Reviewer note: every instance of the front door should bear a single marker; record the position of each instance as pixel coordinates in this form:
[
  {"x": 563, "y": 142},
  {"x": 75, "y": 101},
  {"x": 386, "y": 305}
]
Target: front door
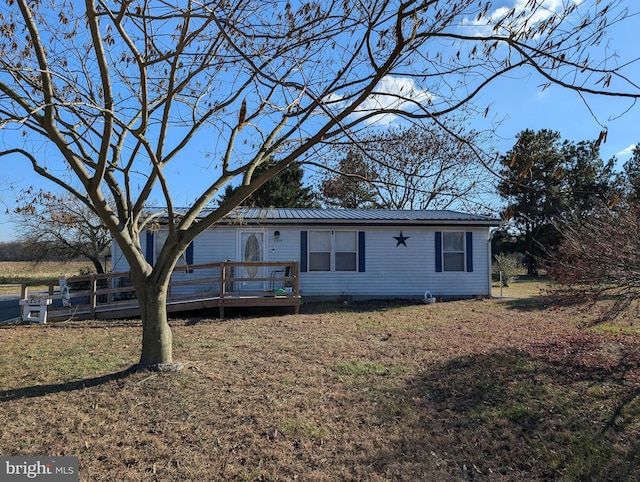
[{"x": 252, "y": 249}]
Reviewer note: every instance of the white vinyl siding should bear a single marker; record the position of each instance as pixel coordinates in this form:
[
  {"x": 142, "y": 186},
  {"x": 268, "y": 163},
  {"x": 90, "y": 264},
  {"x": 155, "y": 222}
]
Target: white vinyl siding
[
  {"x": 403, "y": 272},
  {"x": 391, "y": 271}
]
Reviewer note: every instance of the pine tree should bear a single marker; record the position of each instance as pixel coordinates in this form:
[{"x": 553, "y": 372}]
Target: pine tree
[
  {"x": 545, "y": 179},
  {"x": 350, "y": 185},
  {"x": 631, "y": 171},
  {"x": 285, "y": 190}
]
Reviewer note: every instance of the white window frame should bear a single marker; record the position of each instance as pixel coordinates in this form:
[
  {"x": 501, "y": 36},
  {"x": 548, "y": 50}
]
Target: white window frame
[
  {"x": 332, "y": 251},
  {"x": 462, "y": 252}
]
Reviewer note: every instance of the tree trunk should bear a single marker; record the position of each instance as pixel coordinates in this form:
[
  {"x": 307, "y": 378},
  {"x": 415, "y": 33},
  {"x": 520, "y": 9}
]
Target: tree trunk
[
  {"x": 157, "y": 349},
  {"x": 97, "y": 265},
  {"x": 532, "y": 265}
]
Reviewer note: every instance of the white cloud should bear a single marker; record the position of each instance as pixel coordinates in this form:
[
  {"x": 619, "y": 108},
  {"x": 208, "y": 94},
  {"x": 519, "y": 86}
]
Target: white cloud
[
  {"x": 544, "y": 10},
  {"x": 627, "y": 151},
  {"x": 393, "y": 93}
]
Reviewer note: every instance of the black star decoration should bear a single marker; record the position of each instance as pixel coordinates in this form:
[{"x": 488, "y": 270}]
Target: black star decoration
[{"x": 401, "y": 240}]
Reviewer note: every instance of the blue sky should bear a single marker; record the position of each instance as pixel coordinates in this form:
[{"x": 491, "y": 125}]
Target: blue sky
[
  {"x": 518, "y": 101},
  {"x": 522, "y": 105}
]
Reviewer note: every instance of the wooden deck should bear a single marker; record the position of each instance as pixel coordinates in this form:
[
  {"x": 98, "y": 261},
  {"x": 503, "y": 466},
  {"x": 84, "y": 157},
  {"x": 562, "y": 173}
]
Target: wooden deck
[{"x": 195, "y": 287}]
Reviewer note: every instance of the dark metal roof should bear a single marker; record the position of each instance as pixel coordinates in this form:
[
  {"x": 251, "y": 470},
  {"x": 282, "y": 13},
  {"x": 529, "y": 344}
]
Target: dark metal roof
[{"x": 355, "y": 217}]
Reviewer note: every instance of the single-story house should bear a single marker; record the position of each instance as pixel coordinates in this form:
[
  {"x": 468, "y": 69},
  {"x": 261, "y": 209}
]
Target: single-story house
[{"x": 355, "y": 254}]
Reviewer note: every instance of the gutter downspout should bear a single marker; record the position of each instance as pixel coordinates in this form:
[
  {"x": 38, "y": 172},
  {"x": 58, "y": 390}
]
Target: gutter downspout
[{"x": 489, "y": 259}]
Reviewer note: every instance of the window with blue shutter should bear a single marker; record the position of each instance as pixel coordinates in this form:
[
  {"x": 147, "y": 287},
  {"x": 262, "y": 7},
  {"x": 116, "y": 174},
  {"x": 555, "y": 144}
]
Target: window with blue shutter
[
  {"x": 438, "y": 254},
  {"x": 469, "y": 250},
  {"x": 454, "y": 251},
  {"x": 189, "y": 254},
  {"x": 331, "y": 250}
]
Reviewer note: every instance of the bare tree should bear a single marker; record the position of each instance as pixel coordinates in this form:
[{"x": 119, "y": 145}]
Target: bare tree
[
  {"x": 427, "y": 168},
  {"x": 60, "y": 227},
  {"x": 599, "y": 258},
  {"x": 107, "y": 98}
]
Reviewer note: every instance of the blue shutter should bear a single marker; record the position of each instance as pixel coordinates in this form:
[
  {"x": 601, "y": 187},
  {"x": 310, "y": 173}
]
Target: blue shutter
[
  {"x": 361, "y": 251},
  {"x": 469, "y": 248},
  {"x": 148, "y": 255},
  {"x": 438, "y": 252},
  {"x": 188, "y": 255},
  {"x": 303, "y": 251}
]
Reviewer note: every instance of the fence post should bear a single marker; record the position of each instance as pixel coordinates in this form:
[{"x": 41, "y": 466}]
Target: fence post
[
  {"x": 93, "y": 297},
  {"x": 223, "y": 276},
  {"x": 296, "y": 284}
]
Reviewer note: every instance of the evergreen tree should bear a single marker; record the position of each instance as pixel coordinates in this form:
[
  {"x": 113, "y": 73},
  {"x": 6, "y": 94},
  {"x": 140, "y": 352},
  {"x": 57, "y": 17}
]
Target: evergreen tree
[
  {"x": 532, "y": 186},
  {"x": 544, "y": 179},
  {"x": 588, "y": 179},
  {"x": 631, "y": 172},
  {"x": 351, "y": 186},
  {"x": 285, "y": 190}
]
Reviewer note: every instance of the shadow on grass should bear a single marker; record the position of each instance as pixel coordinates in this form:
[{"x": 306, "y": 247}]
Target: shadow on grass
[
  {"x": 325, "y": 307},
  {"x": 80, "y": 324},
  {"x": 553, "y": 298},
  {"x": 308, "y": 308},
  {"x": 42, "y": 390},
  {"x": 541, "y": 302},
  {"x": 511, "y": 415},
  {"x": 531, "y": 303}
]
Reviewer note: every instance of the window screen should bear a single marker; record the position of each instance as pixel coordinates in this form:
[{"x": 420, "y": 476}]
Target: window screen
[
  {"x": 453, "y": 251},
  {"x": 333, "y": 251},
  {"x": 319, "y": 250}
]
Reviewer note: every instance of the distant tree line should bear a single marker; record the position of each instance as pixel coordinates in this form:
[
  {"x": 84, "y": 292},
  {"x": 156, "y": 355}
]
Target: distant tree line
[
  {"x": 25, "y": 251},
  {"x": 60, "y": 227}
]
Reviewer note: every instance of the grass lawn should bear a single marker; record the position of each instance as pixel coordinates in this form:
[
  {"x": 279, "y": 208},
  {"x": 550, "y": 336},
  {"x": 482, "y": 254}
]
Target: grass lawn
[{"x": 502, "y": 389}]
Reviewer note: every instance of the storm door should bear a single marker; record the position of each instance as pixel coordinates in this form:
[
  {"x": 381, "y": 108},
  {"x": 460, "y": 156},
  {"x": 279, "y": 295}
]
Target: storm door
[{"x": 252, "y": 249}]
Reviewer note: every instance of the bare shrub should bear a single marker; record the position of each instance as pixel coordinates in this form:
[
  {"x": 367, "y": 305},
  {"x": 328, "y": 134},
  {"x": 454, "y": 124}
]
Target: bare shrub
[
  {"x": 509, "y": 265},
  {"x": 599, "y": 258}
]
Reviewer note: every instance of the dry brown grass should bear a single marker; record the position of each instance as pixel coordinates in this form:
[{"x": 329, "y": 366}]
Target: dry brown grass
[
  {"x": 525, "y": 286},
  {"x": 12, "y": 273},
  {"x": 469, "y": 390}
]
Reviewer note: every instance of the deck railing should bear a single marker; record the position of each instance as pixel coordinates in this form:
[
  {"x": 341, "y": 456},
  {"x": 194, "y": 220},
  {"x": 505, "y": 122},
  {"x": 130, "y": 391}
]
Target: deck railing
[{"x": 227, "y": 280}]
